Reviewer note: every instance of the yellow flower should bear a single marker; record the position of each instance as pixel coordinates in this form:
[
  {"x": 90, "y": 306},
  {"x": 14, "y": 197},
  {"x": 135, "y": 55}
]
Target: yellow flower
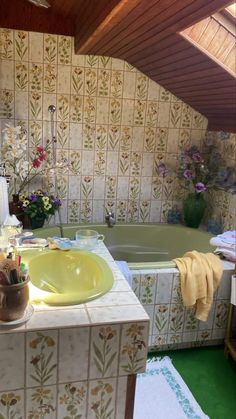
[
  {"x": 26, "y": 202},
  {"x": 45, "y": 199},
  {"x": 41, "y": 394},
  {"x": 47, "y": 206}
]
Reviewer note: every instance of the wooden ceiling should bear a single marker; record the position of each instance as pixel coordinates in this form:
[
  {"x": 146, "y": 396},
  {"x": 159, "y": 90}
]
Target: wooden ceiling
[{"x": 146, "y": 33}]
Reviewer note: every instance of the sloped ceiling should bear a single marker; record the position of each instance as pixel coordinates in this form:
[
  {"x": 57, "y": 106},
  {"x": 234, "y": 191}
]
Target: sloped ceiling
[{"x": 146, "y": 33}]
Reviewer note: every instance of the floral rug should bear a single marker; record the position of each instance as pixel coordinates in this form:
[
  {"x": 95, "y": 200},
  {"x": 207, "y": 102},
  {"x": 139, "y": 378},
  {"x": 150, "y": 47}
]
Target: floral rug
[{"x": 161, "y": 393}]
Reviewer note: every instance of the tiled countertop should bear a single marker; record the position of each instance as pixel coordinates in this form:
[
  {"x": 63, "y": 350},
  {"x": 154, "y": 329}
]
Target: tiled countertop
[{"x": 119, "y": 305}]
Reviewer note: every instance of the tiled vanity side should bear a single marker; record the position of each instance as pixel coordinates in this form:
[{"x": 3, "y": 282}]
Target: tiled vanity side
[
  {"x": 171, "y": 325},
  {"x": 66, "y": 372}
]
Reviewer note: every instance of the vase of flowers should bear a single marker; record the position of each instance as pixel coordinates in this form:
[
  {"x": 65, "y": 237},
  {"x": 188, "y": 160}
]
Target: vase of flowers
[
  {"x": 196, "y": 174},
  {"x": 38, "y": 206},
  {"x": 194, "y": 206}
]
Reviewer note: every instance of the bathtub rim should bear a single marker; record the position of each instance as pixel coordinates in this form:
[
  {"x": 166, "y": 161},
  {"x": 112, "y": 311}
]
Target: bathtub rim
[{"x": 141, "y": 265}]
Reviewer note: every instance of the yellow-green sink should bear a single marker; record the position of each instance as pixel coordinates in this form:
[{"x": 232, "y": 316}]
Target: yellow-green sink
[{"x": 66, "y": 277}]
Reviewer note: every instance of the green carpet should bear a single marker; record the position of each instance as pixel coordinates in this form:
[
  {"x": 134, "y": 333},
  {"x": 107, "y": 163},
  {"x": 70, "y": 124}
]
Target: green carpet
[{"x": 210, "y": 377}]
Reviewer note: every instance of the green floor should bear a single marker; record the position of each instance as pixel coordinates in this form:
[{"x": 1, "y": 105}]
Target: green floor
[{"x": 210, "y": 377}]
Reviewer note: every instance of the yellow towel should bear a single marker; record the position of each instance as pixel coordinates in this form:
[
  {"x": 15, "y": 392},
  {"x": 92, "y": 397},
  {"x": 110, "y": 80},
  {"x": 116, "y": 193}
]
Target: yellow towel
[{"x": 200, "y": 275}]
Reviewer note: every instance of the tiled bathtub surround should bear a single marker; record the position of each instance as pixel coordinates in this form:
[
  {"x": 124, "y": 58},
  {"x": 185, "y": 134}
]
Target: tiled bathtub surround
[
  {"x": 222, "y": 204},
  {"x": 171, "y": 325},
  {"x": 70, "y": 362},
  {"x": 112, "y": 122}
]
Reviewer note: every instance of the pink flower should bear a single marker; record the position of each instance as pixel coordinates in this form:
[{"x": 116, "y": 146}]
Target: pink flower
[
  {"x": 40, "y": 149},
  {"x": 188, "y": 174},
  {"x": 36, "y": 163},
  {"x": 197, "y": 157}
]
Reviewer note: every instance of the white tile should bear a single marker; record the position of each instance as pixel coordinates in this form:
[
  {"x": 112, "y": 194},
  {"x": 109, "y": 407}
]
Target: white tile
[
  {"x": 73, "y": 354},
  {"x": 63, "y": 79},
  {"x": 76, "y": 136},
  {"x": 108, "y": 315},
  {"x": 36, "y": 47},
  {"x": 164, "y": 287},
  {"x": 129, "y": 85},
  {"x": 114, "y": 299},
  {"x": 57, "y": 318},
  {"x": 12, "y": 346},
  {"x": 121, "y": 397},
  {"x": 7, "y": 74}
]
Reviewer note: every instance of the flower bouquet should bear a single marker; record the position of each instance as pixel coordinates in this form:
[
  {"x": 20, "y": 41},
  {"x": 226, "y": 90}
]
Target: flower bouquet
[
  {"x": 196, "y": 173},
  {"x": 39, "y": 206}
]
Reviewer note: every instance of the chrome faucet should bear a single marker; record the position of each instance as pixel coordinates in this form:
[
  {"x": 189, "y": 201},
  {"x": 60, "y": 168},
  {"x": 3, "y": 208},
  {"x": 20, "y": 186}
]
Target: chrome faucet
[{"x": 110, "y": 219}]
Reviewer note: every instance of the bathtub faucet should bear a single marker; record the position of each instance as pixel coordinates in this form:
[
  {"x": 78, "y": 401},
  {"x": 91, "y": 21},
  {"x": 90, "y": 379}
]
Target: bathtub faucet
[{"x": 110, "y": 219}]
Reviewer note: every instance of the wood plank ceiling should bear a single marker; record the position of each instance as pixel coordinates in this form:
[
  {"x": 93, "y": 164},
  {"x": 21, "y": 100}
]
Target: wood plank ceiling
[{"x": 146, "y": 33}]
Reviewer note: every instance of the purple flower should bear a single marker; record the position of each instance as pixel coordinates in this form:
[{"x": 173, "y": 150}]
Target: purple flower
[
  {"x": 56, "y": 201},
  {"x": 200, "y": 187},
  {"x": 188, "y": 174},
  {"x": 162, "y": 170},
  {"x": 33, "y": 197},
  {"x": 197, "y": 157}
]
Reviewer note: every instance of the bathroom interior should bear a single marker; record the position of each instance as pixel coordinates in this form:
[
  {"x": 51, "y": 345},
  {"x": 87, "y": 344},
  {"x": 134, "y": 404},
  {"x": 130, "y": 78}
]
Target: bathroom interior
[{"x": 104, "y": 101}]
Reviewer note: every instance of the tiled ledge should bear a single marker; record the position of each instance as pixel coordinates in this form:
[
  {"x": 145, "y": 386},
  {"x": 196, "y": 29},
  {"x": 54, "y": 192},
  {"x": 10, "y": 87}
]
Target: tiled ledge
[{"x": 119, "y": 305}]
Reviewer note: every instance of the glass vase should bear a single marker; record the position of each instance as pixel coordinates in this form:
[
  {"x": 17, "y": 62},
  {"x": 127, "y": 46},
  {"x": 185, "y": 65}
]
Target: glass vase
[{"x": 194, "y": 208}]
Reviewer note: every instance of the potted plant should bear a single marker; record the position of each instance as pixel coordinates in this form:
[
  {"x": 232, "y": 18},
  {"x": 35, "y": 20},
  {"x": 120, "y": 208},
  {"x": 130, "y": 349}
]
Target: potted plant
[{"x": 38, "y": 206}]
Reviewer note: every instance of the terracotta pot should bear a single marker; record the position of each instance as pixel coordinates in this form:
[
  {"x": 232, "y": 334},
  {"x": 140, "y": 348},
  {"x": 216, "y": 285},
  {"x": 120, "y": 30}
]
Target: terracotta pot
[{"x": 13, "y": 300}]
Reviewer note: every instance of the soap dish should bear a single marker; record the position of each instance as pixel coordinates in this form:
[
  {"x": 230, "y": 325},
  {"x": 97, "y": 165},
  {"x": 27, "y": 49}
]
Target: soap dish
[{"x": 27, "y": 314}]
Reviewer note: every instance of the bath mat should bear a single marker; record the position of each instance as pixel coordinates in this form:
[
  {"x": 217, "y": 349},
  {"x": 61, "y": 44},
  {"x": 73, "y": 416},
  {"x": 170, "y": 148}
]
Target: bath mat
[{"x": 161, "y": 393}]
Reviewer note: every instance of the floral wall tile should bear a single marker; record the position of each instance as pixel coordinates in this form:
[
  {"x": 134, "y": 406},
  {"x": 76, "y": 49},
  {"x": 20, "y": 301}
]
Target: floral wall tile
[
  {"x": 64, "y": 50},
  {"x": 147, "y": 288},
  {"x": 161, "y": 318},
  {"x": 104, "y": 351},
  {"x": 103, "y": 104},
  {"x": 101, "y": 402},
  {"x": 21, "y": 45},
  {"x": 41, "y": 402},
  {"x": 41, "y": 358},
  {"x": 6, "y": 44},
  {"x": 12, "y": 361},
  {"x": 133, "y": 348},
  {"x": 12, "y": 404},
  {"x": 6, "y": 104},
  {"x": 72, "y": 398}
]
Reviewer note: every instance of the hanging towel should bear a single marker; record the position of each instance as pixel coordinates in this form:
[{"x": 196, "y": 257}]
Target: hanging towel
[
  {"x": 124, "y": 268},
  {"x": 4, "y": 205},
  {"x": 200, "y": 275}
]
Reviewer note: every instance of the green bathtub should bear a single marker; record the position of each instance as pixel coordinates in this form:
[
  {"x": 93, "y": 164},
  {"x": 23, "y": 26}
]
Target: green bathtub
[{"x": 142, "y": 245}]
